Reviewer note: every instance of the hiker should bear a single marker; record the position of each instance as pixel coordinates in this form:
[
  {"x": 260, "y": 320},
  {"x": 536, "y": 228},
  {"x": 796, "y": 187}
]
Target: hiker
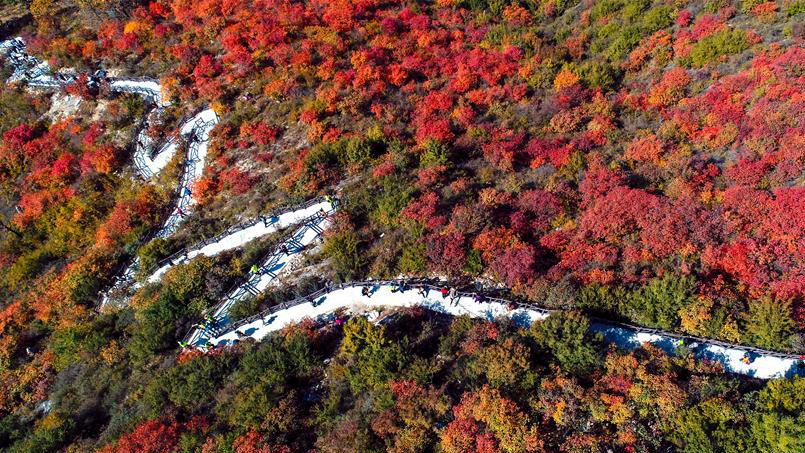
[
  {"x": 187, "y": 192},
  {"x": 284, "y": 249},
  {"x": 255, "y": 269},
  {"x": 209, "y": 318},
  {"x": 328, "y": 199},
  {"x": 322, "y": 214},
  {"x": 183, "y": 344},
  {"x": 423, "y": 291},
  {"x": 745, "y": 358},
  {"x": 453, "y": 295},
  {"x": 479, "y": 298},
  {"x": 179, "y": 211},
  {"x": 445, "y": 292},
  {"x": 365, "y": 292},
  {"x": 208, "y": 345},
  {"x": 240, "y": 334}
]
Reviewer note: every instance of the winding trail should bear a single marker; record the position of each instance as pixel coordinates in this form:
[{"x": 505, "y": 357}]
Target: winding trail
[
  {"x": 311, "y": 219},
  {"x": 323, "y": 306}
]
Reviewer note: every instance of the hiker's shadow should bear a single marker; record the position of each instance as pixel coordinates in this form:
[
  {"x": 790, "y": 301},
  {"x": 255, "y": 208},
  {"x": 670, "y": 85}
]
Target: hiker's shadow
[
  {"x": 319, "y": 301},
  {"x": 520, "y": 318},
  {"x": 276, "y": 267}
]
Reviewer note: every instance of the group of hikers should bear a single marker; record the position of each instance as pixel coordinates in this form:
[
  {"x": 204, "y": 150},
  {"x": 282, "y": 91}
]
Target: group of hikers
[{"x": 446, "y": 291}]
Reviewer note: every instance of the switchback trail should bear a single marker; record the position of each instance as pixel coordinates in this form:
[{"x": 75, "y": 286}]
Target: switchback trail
[{"x": 311, "y": 219}]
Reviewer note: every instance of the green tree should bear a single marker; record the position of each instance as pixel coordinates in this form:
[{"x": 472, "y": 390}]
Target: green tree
[
  {"x": 434, "y": 153},
  {"x": 567, "y": 337},
  {"x": 189, "y": 385},
  {"x": 776, "y": 433},
  {"x": 266, "y": 381},
  {"x": 371, "y": 359},
  {"x": 779, "y": 424},
  {"x": 507, "y": 365},
  {"x": 769, "y": 323},
  {"x": 657, "y": 304},
  {"x": 155, "y": 330},
  {"x": 708, "y": 427}
]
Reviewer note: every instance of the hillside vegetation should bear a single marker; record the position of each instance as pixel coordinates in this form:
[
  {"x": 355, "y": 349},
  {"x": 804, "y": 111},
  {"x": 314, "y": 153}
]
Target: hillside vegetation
[{"x": 636, "y": 160}]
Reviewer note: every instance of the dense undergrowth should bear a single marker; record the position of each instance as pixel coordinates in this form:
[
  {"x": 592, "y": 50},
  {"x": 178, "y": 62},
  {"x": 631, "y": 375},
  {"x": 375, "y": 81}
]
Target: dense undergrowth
[
  {"x": 634, "y": 159},
  {"x": 416, "y": 382}
]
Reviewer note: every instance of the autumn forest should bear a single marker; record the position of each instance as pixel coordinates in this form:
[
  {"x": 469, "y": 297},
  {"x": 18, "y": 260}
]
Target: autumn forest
[{"x": 639, "y": 161}]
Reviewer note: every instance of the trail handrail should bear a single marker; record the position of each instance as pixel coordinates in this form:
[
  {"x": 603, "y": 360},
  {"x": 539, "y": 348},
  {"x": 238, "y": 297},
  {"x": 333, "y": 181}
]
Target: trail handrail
[
  {"x": 267, "y": 219},
  {"x": 419, "y": 283}
]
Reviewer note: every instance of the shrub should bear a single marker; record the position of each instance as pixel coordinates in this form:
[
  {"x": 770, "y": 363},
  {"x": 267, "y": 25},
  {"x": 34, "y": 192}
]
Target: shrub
[
  {"x": 390, "y": 201},
  {"x": 720, "y": 44},
  {"x": 713, "y": 6},
  {"x": 72, "y": 343},
  {"x": 343, "y": 152},
  {"x": 626, "y": 40},
  {"x": 474, "y": 265},
  {"x": 599, "y": 298},
  {"x": 344, "y": 250},
  {"x": 358, "y": 151},
  {"x": 188, "y": 385},
  {"x": 604, "y": 8},
  {"x": 434, "y": 153},
  {"x": 656, "y": 19},
  {"x": 50, "y": 435},
  {"x": 748, "y": 5},
  {"x": 11, "y": 429},
  {"x": 598, "y": 75},
  {"x": 506, "y": 365},
  {"x": 28, "y": 266},
  {"x": 264, "y": 397},
  {"x": 777, "y": 433},
  {"x": 413, "y": 260},
  {"x": 632, "y": 9},
  {"x": 795, "y": 8},
  {"x": 371, "y": 358}
]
